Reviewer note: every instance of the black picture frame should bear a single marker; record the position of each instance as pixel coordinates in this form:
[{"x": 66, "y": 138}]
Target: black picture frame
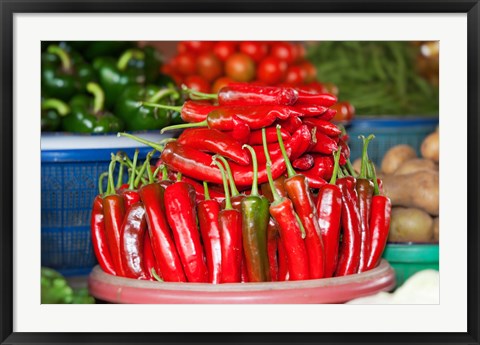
[{"x": 10, "y": 7}]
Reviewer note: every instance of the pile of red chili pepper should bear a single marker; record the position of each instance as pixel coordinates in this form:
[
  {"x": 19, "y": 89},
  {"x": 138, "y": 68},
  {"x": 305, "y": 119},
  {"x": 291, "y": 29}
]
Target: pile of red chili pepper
[{"x": 258, "y": 187}]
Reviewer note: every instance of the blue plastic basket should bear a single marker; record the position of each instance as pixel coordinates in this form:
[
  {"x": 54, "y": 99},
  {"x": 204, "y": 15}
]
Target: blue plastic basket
[
  {"x": 69, "y": 184},
  {"x": 388, "y": 131}
]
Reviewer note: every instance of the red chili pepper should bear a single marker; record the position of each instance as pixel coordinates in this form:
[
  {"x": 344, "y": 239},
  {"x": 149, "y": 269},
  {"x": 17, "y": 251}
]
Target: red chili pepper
[
  {"x": 244, "y": 93},
  {"x": 310, "y": 110},
  {"x": 379, "y": 224},
  {"x": 149, "y": 258},
  {"x": 345, "y": 152},
  {"x": 271, "y": 132},
  {"x": 365, "y": 189},
  {"x": 180, "y": 210},
  {"x": 299, "y": 193},
  {"x": 166, "y": 255},
  {"x": 329, "y": 208},
  {"x": 325, "y": 127},
  {"x": 323, "y": 144},
  {"x": 323, "y": 99},
  {"x": 208, "y": 211},
  {"x": 99, "y": 237},
  {"x": 282, "y": 211},
  {"x": 128, "y": 191},
  {"x": 114, "y": 211},
  {"x": 349, "y": 254},
  {"x": 214, "y": 141},
  {"x": 322, "y": 167},
  {"x": 304, "y": 162},
  {"x": 190, "y": 111},
  {"x": 283, "y": 274},
  {"x": 272, "y": 238},
  {"x": 230, "y": 224},
  {"x": 132, "y": 241},
  {"x": 291, "y": 124}
]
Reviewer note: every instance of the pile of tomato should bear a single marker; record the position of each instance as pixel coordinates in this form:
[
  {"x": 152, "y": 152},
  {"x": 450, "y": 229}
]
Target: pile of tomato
[{"x": 207, "y": 66}]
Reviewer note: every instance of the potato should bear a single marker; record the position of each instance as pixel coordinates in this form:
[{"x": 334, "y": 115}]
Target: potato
[
  {"x": 410, "y": 225},
  {"x": 418, "y": 189},
  {"x": 436, "y": 226},
  {"x": 396, "y": 156},
  {"x": 416, "y": 164},
  {"x": 430, "y": 147}
]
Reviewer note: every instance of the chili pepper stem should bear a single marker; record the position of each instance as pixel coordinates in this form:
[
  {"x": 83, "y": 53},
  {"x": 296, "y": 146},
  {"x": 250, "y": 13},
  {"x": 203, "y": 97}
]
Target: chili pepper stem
[
  {"x": 291, "y": 172},
  {"x": 336, "y": 166},
  {"x": 350, "y": 168},
  {"x": 161, "y": 106},
  {"x": 254, "y": 191},
  {"x": 120, "y": 174},
  {"x": 228, "y": 203},
  {"x": 98, "y": 96},
  {"x": 155, "y": 275},
  {"x": 276, "y": 196},
  {"x": 233, "y": 187},
  {"x": 198, "y": 94},
  {"x": 142, "y": 169},
  {"x": 376, "y": 190},
  {"x": 164, "y": 172},
  {"x": 127, "y": 56},
  {"x": 184, "y": 125},
  {"x": 100, "y": 182},
  {"x": 300, "y": 224},
  {"x": 364, "y": 162},
  {"x": 131, "y": 184},
  {"x": 179, "y": 176},
  {"x": 152, "y": 144},
  {"x": 111, "y": 168},
  {"x": 65, "y": 59},
  {"x": 205, "y": 190},
  {"x": 52, "y": 103}
]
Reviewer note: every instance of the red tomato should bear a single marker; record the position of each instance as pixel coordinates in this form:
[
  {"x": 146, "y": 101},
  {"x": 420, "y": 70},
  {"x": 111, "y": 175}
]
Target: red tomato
[
  {"x": 284, "y": 51},
  {"x": 198, "y": 46},
  {"x": 257, "y": 50},
  {"x": 182, "y": 47},
  {"x": 309, "y": 70},
  {"x": 197, "y": 83},
  {"x": 295, "y": 75},
  {"x": 331, "y": 88},
  {"x": 272, "y": 70},
  {"x": 345, "y": 111},
  {"x": 240, "y": 67},
  {"x": 301, "y": 52},
  {"x": 185, "y": 63},
  {"x": 221, "y": 82},
  {"x": 223, "y": 50},
  {"x": 209, "y": 66}
]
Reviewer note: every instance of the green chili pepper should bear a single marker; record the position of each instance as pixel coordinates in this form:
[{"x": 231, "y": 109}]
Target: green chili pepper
[
  {"x": 255, "y": 218},
  {"x": 52, "y": 112},
  {"x": 114, "y": 75},
  {"x": 88, "y": 116},
  {"x": 138, "y": 117},
  {"x": 62, "y": 76}
]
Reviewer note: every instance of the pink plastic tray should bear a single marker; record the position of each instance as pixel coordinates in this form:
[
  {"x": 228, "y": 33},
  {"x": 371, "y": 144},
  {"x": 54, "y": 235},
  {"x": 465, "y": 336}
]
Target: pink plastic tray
[{"x": 330, "y": 290}]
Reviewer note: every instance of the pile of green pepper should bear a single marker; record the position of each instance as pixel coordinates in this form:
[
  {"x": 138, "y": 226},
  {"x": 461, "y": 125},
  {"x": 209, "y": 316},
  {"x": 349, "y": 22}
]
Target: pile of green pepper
[{"x": 100, "y": 87}]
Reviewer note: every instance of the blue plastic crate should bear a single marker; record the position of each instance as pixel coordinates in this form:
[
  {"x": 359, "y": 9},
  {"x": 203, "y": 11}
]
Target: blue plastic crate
[
  {"x": 69, "y": 184},
  {"x": 388, "y": 131}
]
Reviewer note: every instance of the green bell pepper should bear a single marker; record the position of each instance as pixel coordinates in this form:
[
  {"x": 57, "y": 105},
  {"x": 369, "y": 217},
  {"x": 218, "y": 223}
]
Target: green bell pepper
[
  {"x": 52, "y": 112},
  {"x": 87, "y": 114},
  {"x": 114, "y": 75},
  {"x": 55, "y": 288},
  {"x": 138, "y": 117},
  {"x": 62, "y": 76},
  {"x": 149, "y": 65}
]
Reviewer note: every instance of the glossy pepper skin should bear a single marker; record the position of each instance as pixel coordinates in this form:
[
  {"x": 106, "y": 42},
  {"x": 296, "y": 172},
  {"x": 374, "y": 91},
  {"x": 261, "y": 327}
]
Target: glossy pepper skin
[
  {"x": 379, "y": 227},
  {"x": 53, "y": 110},
  {"x": 115, "y": 75},
  {"x": 149, "y": 258},
  {"x": 364, "y": 189},
  {"x": 255, "y": 137},
  {"x": 137, "y": 117},
  {"x": 208, "y": 211},
  {"x": 152, "y": 196},
  {"x": 62, "y": 77},
  {"x": 99, "y": 237},
  {"x": 323, "y": 126},
  {"x": 180, "y": 209},
  {"x": 88, "y": 116},
  {"x": 322, "y": 99},
  {"x": 132, "y": 242},
  {"x": 244, "y": 93},
  {"x": 305, "y": 162},
  {"x": 114, "y": 213},
  {"x": 255, "y": 219},
  {"x": 215, "y": 141},
  {"x": 349, "y": 253},
  {"x": 272, "y": 248},
  {"x": 230, "y": 223},
  {"x": 323, "y": 144}
]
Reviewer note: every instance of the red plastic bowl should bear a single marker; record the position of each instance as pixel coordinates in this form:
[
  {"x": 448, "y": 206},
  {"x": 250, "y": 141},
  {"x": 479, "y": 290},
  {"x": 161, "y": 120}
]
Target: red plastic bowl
[{"x": 329, "y": 290}]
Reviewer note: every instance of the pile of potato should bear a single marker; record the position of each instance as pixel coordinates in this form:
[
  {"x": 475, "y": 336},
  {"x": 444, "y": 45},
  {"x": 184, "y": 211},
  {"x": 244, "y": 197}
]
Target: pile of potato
[{"x": 411, "y": 183}]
